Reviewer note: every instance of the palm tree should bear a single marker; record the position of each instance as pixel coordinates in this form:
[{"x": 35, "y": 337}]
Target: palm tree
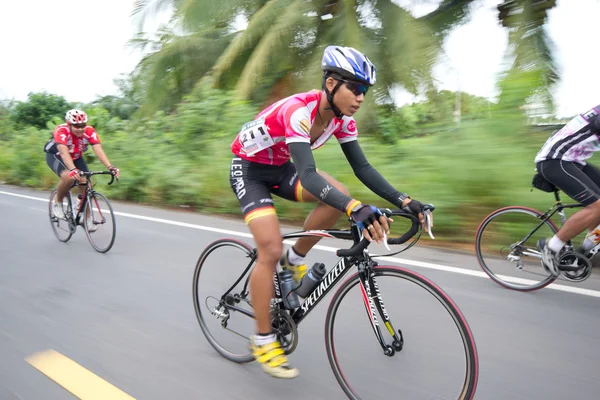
[
  {"x": 281, "y": 47},
  {"x": 533, "y": 70}
]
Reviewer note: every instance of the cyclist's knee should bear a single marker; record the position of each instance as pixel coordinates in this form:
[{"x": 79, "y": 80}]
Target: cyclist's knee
[
  {"x": 595, "y": 207},
  {"x": 339, "y": 186},
  {"x": 270, "y": 252},
  {"x": 64, "y": 176},
  {"x": 342, "y": 188}
]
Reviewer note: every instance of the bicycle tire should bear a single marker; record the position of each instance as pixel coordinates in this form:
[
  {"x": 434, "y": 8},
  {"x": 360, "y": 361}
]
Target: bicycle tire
[
  {"x": 200, "y": 308},
  {"x": 61, "y": 234},
  {"x": 480, "y": 252},
  {"x": 471, "y": 357},
  {"x": 99, "y": 212}
]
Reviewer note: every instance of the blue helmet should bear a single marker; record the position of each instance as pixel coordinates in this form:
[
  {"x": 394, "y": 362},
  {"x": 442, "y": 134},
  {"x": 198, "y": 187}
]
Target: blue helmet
[{"x": 349, "y": 63}]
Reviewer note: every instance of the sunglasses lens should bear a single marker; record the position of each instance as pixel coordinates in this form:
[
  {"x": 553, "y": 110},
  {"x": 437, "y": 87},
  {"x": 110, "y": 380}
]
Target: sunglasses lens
[{"x": 358, "y": 88}]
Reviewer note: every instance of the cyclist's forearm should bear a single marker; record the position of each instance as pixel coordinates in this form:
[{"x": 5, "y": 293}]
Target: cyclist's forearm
[
  {"x": 369, "y": 176},
  {"x": 66, "y": 156},
  {"x": 101, "y": 155},
  {"x": 314, "y": 183}
]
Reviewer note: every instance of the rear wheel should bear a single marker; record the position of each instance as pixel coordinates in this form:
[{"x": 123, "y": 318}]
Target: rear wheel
[{"x": 506, "y": 247}]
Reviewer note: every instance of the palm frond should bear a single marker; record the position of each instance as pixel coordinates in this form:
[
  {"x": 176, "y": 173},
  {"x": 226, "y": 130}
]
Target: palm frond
[
  {"x": 449, "y": 14},
  {"x": 273, "y": 45},
  {"x": 258, "y": 25},
  {"x": 407, "y": 48},
  {"x": 142, "y": 9},
  {"x": 173, "y": 71}
]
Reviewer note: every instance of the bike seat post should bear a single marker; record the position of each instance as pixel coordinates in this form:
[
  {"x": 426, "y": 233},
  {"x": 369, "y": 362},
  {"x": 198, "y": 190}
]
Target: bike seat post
[{"x": 557, "y": 196}]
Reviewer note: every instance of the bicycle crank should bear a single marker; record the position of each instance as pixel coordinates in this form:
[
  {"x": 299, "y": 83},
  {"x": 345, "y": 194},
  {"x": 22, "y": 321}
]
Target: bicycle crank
[
  {"x": 285, "y": 328},
  {"x": 575, "y": 267}
]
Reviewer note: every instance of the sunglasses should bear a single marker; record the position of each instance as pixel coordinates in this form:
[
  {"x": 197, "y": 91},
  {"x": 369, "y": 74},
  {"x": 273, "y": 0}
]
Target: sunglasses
[
  {"x": 355, "y": 87},
  {"x": 79, "y": 126}
]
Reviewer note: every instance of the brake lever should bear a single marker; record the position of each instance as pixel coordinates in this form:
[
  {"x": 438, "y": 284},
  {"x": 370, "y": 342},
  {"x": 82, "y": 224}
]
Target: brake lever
[
  {"x": 386, "y": 213},
  {"x": 427, "y": 215}
]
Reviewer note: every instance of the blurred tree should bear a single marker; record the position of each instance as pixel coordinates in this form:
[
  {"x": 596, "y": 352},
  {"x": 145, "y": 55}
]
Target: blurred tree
[
  {"x": 39, "y": 109},
  {"x": 533, "y": 70},
  {"x": 280, "y": 48},
  {"x": 126, "y": 103}
]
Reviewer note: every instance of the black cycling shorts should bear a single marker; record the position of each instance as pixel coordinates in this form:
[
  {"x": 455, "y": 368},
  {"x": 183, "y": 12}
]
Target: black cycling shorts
[
  {"x": 253, "y": 184},
  {"x": 55, "y": 163},
  {"x": 579, "y": 182}
]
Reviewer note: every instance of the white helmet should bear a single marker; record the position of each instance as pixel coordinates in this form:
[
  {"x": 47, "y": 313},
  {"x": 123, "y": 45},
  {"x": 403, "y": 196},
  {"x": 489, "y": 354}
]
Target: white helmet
[{"x": 75, "y": 116}]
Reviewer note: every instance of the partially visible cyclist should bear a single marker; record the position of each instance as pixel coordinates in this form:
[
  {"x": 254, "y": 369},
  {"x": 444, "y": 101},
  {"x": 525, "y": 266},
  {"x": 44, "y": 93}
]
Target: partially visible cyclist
[
  {"x": 292, "y": 128},
  {"x": 64, "y": 155},
  {"x": 562, "y": 161}
]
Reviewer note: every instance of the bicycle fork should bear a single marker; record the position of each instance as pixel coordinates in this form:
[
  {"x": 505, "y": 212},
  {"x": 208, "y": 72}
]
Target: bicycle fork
[{"x": 373, "y": 305}]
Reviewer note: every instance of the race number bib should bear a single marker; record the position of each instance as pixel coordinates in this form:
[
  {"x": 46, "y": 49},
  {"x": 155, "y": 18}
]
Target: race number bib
[{"x": 255, "y": 137}]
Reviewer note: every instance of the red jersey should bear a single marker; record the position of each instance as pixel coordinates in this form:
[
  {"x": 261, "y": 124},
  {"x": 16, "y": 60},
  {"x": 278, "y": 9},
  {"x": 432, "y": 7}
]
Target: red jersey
[{"x": 77, "y": 145}]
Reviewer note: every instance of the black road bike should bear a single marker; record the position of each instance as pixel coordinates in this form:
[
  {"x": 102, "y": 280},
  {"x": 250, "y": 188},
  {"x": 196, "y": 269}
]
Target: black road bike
[
  {"x": 506, "y": 246},
  {"x": 224, "y": 309},
  {"x": 93, "y": 212}
]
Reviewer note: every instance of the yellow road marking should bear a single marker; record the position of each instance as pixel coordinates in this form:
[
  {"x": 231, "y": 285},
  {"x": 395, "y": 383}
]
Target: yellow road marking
[{"x": 74, "y": 378}]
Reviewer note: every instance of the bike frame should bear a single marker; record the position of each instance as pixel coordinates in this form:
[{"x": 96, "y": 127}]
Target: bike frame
[
  {"x": 89, "y": 192},
  {"x": 559, "y": 208},
  {"x": 368, "y": 285}
]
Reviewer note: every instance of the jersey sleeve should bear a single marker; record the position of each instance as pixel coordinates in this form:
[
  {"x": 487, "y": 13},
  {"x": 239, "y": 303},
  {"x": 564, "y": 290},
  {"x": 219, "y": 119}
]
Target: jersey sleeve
[
  {"x": 91, "y": 135},
  {"x": 347, "y": 132},
  {"x": 61, "y": 135},
  {"x": 297, "y": 117}
]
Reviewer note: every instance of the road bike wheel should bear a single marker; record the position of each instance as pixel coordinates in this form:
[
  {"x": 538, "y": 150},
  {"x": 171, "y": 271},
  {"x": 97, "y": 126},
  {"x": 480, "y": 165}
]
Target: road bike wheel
[
  {"x": 436, "y": 361},
  {"x": 227, "y": 330},
  {"x": 506, "y": 247},
  {"x": 99, "y": 222},
  {"x": 61, "y": 227}
]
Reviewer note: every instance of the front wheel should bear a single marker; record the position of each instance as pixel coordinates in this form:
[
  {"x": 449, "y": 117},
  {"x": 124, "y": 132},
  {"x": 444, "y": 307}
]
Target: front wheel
[
  {"x": 506, "y": 247},
  {"x": 99, "y": 222},
  {"x": 435, "y": 358},
  {"x": 62, "y": 227}
]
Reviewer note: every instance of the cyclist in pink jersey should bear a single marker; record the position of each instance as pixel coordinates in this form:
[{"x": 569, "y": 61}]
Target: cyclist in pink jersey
[{"x": 290, "y": 129}]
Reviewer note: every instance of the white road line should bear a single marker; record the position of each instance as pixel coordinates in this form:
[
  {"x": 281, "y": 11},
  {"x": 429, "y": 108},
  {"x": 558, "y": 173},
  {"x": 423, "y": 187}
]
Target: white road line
[{"x": 401, "y": 261}]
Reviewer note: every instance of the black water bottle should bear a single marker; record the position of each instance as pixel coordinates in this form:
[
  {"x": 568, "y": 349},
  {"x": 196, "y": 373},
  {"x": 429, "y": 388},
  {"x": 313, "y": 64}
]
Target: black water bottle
[
  {"x": 311, "y": 279},
  {"x": 286, "y": 283}
]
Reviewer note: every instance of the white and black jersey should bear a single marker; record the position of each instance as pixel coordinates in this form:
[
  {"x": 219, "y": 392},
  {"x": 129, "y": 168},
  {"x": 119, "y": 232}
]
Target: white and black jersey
[{"x": 576, "y": 141}]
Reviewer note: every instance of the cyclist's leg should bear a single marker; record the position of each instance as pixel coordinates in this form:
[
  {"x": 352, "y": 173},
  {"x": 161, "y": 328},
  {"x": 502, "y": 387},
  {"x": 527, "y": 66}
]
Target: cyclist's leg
[
  {"x": 250, "y": 183},
  {"x": 55, "y": 163},
  {"x": 594, "y": 174},
  {"x": 81, "y": 165},
  {"x": 321, "y": 217},
  {"x": 570, "y": 178}
]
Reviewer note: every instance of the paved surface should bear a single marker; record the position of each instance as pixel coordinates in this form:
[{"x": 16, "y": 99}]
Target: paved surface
[{"x": 127, "y": 317}]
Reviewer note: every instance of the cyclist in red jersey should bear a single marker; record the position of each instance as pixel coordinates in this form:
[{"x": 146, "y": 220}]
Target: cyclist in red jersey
[
  {"x": 290, "y": 129},
  {"x": 64, "y": 154}
]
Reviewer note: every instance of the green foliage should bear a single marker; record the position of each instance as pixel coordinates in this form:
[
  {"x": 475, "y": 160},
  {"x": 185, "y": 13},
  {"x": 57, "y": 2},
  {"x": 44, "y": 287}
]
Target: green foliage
[
  {"x": 183, "y": 158},
  {"x": 39, "y": 109},
  {"x": 432, "y": 116}
]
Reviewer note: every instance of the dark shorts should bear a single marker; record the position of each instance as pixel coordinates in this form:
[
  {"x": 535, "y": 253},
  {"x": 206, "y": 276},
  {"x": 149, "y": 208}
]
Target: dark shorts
[
  {"x": 55, "y": 163},
  {"x": 579, "y": 182},
  {"x": 253, "y": 184}
]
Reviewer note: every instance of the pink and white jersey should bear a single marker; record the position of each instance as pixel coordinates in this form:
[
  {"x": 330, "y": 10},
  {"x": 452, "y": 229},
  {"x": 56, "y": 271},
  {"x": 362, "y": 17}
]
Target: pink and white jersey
[{"x": 265, "y": 139}]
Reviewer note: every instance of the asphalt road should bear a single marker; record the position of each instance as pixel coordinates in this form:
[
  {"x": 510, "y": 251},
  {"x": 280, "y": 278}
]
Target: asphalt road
[{"x": 127, "y": 317}]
